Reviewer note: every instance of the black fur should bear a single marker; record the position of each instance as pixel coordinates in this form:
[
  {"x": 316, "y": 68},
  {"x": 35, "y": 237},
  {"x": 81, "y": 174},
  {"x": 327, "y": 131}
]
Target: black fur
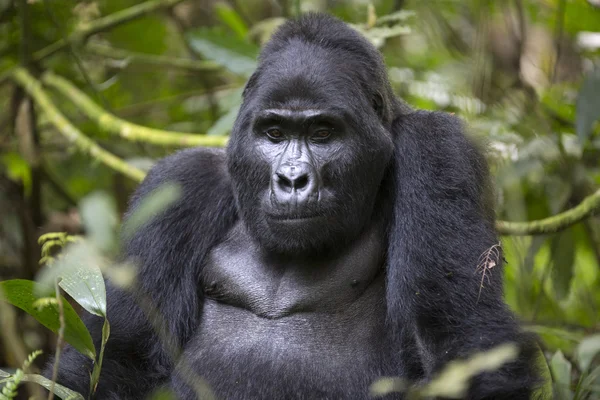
[{"x": 431, "y": 197}]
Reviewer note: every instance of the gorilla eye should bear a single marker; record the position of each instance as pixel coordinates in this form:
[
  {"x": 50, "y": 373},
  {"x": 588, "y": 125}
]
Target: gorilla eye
[
  {"x": 322, "y": 134},
  {"x": 274, "y": 134}
]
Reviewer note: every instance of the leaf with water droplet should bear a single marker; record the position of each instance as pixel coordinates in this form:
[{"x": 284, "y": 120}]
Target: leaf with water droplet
[{"x": 79, "y": 274}]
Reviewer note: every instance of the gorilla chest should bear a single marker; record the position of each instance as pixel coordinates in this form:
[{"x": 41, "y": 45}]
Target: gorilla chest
[
  {"x": 300, "y": 355},
  {"x": 285, "y": 329}
]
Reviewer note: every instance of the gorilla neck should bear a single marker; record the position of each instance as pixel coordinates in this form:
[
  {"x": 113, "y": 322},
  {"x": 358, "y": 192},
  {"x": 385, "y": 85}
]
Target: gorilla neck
[{"x": 240, "y": 274}]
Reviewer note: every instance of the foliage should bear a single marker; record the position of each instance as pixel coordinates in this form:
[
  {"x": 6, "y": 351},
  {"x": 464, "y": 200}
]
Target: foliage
[{"x": 118, "y": 84}]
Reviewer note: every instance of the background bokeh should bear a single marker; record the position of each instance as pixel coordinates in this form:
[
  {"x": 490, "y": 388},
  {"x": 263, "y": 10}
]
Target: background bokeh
[{"x": 524, "y": 74}]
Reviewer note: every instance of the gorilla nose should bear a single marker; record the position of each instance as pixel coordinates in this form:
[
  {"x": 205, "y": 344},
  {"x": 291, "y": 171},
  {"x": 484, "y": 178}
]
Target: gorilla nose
[{"x": 292, "y": 181}]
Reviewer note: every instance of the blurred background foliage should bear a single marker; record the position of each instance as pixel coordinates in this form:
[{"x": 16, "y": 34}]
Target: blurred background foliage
[{"x": 524, "y": 74}]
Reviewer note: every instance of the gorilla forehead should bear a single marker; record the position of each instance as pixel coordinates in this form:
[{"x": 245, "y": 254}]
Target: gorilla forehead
[{"x": 306, "y": 74}]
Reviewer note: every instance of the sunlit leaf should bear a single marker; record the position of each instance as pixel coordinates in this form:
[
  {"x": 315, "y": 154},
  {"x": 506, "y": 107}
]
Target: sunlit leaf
[
  {"x": 24, "y": 293},
  {"x": 232, "y": 19},
  {"x": 588, "y": 105},
  {"x": 79, "y": 273},
  {"x": 587, "y": 350},
  {"x": 385, "y": 386}
]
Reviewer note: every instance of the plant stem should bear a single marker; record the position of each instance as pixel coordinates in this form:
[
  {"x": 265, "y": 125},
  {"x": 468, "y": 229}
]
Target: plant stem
[
  {"x": 127, "y": 130},
  {"x": 34, "y": 88},
  {"x": 84, "y": 31}
]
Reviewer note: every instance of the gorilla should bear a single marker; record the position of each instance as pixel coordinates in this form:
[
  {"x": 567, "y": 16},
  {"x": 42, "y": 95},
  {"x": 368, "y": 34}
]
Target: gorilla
[{"x": 335, "y": 241}]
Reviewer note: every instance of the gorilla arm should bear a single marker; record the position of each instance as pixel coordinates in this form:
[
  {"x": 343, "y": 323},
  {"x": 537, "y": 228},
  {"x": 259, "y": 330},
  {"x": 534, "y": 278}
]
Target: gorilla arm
[
  {"x": 443, "y": 223},
  {"x": 169, "y": 251}
]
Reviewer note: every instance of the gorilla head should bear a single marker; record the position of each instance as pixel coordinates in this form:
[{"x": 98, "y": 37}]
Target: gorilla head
[{"x": 312, "y": 140}]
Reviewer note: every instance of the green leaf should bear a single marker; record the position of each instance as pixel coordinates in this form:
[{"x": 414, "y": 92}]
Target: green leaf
[
  {"x": 236, "y": 55},
  {"x": 561, "y": 371},
  {"x": 78, "y": 270},
  {"x": 544, "y": 391},
  {"x": 562, "y": 248},
  {"x": 151, "y": 205},
  {"x": 59, "y": 390},
  {"x": 18, "y": 170},
  {"x": 232, "y": 19},
  {"x": 100, "y": 220},
  {"x": 224, "y": 124},
  {"x": 262, "y": 31},
  {"x": 588, "y": 105},
  {"x": 587, "y": 350},
  {"x": 22, "y": 294}
]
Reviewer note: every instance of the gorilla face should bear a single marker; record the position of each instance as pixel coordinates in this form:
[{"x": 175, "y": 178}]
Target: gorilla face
[{"x": 308, "y": 151}]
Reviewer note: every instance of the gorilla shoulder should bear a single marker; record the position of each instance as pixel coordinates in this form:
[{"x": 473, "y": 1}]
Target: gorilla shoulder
[{"x": 196, "y": 170}]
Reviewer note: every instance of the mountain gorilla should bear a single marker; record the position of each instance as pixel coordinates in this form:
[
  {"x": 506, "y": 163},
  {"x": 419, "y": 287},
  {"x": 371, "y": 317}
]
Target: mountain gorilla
[{"x": 335, "y": 241}]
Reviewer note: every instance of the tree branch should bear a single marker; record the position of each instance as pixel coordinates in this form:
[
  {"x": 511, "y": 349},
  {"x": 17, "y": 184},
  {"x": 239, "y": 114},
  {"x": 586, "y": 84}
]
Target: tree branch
[
  {"x": 181, "y": 63},
  {"x": 34, "y": 89},
  {"x": 556, "y": 223},
  {"x": 84, "y": 31},
  {"x": 125, "y": 129}
]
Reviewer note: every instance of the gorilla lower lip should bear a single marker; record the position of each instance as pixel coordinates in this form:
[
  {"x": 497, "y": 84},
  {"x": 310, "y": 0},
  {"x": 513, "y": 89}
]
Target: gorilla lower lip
[{"x": 296, "y": 219}]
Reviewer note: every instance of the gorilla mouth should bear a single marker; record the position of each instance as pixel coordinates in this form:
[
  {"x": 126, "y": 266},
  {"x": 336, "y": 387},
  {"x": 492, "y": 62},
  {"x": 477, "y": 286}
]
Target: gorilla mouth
[{"x": 294, "y": 218}]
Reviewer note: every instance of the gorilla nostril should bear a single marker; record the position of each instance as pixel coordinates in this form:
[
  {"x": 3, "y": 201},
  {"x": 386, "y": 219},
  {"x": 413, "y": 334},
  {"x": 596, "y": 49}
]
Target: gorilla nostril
[
  {"x": 300, "y": 182},
  {"x": 288, "y": 184}
]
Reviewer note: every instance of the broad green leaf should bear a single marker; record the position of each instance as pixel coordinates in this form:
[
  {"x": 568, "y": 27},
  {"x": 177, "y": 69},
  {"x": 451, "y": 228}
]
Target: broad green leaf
[
  {"x": 99, "y": 215},
  {"x": 588, "y": 105},
  {"x": 232, "y": 19},
  {"x": 561, "y": 371},
  {"x": 59, "y": 390},
  {"x": 22, "y": 294},
  {"x": 562, "y": 248},
  {"x": 224, "y": 124},
  {"x": 78, "y": 270},
  {"x": 236, "y": 55},
  {"x": 587, "y": 350}
]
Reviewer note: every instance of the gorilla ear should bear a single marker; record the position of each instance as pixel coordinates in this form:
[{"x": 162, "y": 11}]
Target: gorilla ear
[{"x": 377, "y": 103}]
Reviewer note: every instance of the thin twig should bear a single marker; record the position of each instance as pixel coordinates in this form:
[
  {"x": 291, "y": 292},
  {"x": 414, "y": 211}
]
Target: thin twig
[
  {"x": 86, "y": 30},
  {"x": 487, "y": 260},
  {"x": 74, "y": 55},
  {"x": 59, "y": 341},
  {"x": 181, "y": 63},
  {"x": 127, "y": 130},
  {"x": 588, "y": 207}
]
